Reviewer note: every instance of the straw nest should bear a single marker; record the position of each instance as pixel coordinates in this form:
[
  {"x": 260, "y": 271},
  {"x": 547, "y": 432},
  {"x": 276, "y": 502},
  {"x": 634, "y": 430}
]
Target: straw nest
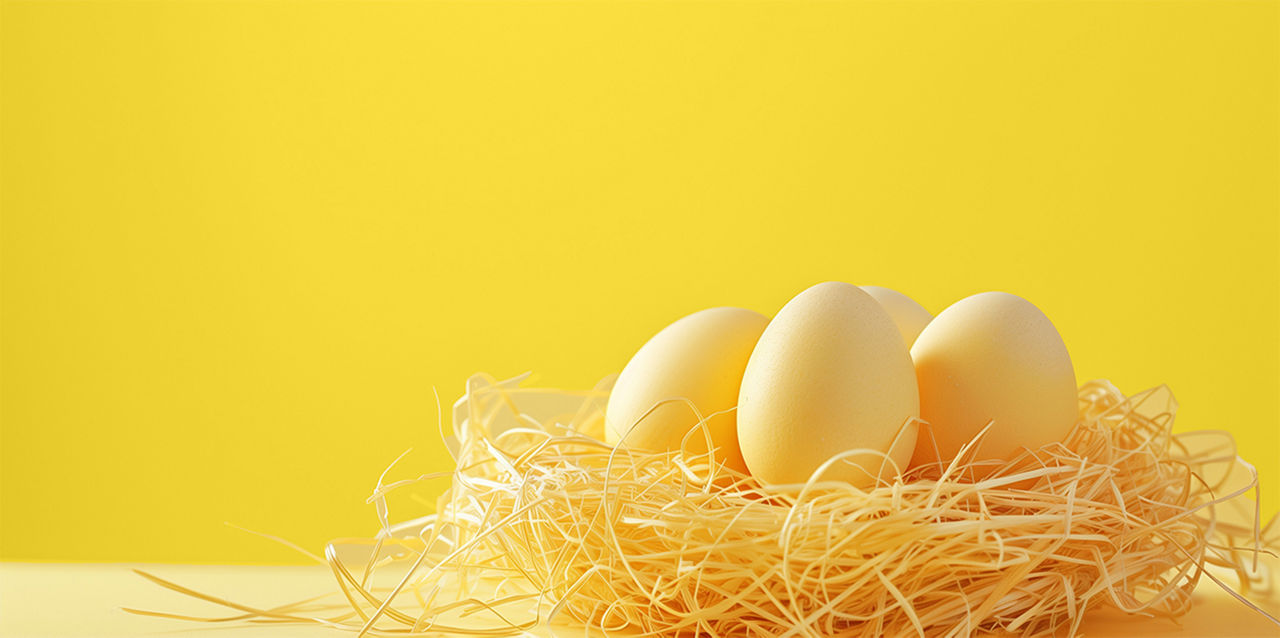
[{"x": 544, "y": 522}]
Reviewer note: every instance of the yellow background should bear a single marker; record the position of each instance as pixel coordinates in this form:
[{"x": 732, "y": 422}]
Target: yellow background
[{"x": 242, "y": 241}]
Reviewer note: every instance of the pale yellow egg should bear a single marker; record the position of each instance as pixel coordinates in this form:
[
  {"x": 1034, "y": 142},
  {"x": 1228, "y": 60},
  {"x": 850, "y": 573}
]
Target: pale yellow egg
[
  {"x": 909, "y": 316},
  {"x": 830, "y": 374},
  {"x": 993, "y": 357},
  {"x": 700, "y": 358}
]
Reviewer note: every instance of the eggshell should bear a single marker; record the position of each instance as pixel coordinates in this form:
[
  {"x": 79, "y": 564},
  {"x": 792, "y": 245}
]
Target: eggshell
[
  {"x": 992, "y": 357},
  {"x": 700, "y": 357},
  {"x": 830, "y": 374},
  {"x": 909, "y": 316}
]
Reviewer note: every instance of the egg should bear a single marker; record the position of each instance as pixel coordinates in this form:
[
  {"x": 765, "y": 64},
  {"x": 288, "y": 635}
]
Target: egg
[
  {"x": 909, "y": 316},
  {"x": 830, "y": 374},
  {"x": 993, "y": 357},
  {"x": 701, "y": 358}
]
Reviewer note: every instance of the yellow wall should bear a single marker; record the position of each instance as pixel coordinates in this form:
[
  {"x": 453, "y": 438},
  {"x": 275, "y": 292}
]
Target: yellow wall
[{"x": 242, "y": 241}]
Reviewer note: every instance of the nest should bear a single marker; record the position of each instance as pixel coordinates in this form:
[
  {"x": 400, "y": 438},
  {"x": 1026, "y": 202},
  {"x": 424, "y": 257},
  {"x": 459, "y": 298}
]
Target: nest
[{"x": 545, "y": 523}]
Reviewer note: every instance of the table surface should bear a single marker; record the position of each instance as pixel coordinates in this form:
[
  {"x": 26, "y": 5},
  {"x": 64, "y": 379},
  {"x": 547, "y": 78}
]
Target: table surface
[{"x": 39, "y": 600}]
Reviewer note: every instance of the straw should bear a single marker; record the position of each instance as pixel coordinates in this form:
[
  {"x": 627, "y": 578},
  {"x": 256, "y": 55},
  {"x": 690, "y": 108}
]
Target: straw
[{"x": 544, "y": 523}]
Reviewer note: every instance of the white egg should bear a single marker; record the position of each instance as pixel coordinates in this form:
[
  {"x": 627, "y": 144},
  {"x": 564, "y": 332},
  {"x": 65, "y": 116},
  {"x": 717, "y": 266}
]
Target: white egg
[
  {"x": 830, "y": 374},
  {"x": 993, "y": 357},
  {"x": 699, "y": 358},
  {"x": 909, "y": 316}
]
